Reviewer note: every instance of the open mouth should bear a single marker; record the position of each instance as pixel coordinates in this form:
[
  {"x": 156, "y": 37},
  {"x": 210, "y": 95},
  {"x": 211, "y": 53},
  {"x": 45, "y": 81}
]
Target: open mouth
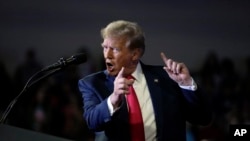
[{"x": 110, "y": 67}]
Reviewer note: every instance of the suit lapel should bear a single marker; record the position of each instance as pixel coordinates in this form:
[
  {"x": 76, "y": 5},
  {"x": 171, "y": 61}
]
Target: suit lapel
[{"x": 153, "y": 82}]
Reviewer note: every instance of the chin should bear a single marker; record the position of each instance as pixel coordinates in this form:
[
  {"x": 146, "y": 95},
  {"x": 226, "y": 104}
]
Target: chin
[{"x": 111, "y": 73}]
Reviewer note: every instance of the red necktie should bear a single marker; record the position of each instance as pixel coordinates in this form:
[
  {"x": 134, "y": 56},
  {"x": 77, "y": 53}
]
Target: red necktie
[{"x": 135, "y": 116}]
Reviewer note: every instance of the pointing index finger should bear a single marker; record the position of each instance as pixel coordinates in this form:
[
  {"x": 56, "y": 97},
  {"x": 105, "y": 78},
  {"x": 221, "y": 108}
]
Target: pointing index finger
[
  {"x": 121, "y": 72},
  {"x": 163, "y": 56}
]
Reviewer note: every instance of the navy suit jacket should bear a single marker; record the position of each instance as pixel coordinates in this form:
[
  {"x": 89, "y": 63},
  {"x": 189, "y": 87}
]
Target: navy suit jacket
[{"x": 172, "y": 106}]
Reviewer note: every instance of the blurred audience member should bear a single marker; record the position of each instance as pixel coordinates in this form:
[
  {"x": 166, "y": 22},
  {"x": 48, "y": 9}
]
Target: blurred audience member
[{"x": 6, "y": 87}]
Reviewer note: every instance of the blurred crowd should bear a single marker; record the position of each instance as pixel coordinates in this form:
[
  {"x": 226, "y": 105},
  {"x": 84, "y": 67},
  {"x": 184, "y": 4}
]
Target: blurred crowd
[
  {"x": 229, "y": 92},
  {"x": 54, "y": 105}
]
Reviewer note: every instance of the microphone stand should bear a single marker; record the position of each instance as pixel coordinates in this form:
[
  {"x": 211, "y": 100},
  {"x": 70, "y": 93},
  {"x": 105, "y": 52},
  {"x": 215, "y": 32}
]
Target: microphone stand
[{"x": 28, "y": 84}]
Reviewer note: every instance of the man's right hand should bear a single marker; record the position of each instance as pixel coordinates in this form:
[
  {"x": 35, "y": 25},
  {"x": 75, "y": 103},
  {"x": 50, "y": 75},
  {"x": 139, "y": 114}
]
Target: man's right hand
[{"x": 121, "y": 87}]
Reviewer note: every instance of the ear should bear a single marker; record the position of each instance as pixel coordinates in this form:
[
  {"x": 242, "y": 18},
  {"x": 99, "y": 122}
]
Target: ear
[{"x": 136, "y": 54}]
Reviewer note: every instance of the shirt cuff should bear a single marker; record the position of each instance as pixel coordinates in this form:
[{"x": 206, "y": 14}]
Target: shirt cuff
[
  {"x": 193, "y": 87},
  {"x": 111, "y": 108}
]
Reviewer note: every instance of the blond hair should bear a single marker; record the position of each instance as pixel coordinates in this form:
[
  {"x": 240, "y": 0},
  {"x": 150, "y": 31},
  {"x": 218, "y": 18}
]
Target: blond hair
[{"x": 125, "y": 29}]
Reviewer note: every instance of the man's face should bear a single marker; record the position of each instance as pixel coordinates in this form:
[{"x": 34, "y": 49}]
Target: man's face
[{"x": 117, "y": 55}]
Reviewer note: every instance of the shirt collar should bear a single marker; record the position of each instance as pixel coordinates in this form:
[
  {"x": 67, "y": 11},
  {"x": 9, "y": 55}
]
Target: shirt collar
[{"x": 137, "y": 74}]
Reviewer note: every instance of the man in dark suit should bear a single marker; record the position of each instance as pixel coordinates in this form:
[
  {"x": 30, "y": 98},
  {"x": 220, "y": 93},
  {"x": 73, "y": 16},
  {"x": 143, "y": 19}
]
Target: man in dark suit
[{"x": 168, "y": 96}]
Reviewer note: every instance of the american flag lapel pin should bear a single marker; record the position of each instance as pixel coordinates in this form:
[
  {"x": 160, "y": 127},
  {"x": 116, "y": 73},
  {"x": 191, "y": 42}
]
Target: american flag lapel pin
[{"x": 156, "y": 80}]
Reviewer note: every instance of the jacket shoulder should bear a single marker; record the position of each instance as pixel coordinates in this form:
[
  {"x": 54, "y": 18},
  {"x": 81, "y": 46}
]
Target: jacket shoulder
[
  {"x": 94, "y": 76},
  {"x": 153, "y": 68}
]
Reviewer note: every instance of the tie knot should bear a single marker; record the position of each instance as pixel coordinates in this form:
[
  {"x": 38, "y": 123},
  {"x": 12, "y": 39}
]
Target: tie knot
[{"x": 130, "y": 77}]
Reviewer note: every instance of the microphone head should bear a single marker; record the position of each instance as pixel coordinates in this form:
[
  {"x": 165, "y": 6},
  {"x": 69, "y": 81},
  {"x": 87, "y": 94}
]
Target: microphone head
[
  {"x": 79, "y": 58},
  {"x": 62, "y": 63}
]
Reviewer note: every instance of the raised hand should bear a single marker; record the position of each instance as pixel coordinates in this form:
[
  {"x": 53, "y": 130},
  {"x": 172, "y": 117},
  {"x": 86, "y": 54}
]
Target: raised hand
[
  {"x": 177, "y": 71},
  {"x": 121, "y": 87}
]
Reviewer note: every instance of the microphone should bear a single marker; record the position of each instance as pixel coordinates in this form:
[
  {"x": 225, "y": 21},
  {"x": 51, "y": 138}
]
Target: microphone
[{"x": 73, "y": 60}]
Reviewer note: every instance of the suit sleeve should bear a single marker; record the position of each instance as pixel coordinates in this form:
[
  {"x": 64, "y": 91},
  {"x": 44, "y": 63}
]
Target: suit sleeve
[
  {"x": 96, "y": 112},
  {"x": 198, "y": 107}
]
